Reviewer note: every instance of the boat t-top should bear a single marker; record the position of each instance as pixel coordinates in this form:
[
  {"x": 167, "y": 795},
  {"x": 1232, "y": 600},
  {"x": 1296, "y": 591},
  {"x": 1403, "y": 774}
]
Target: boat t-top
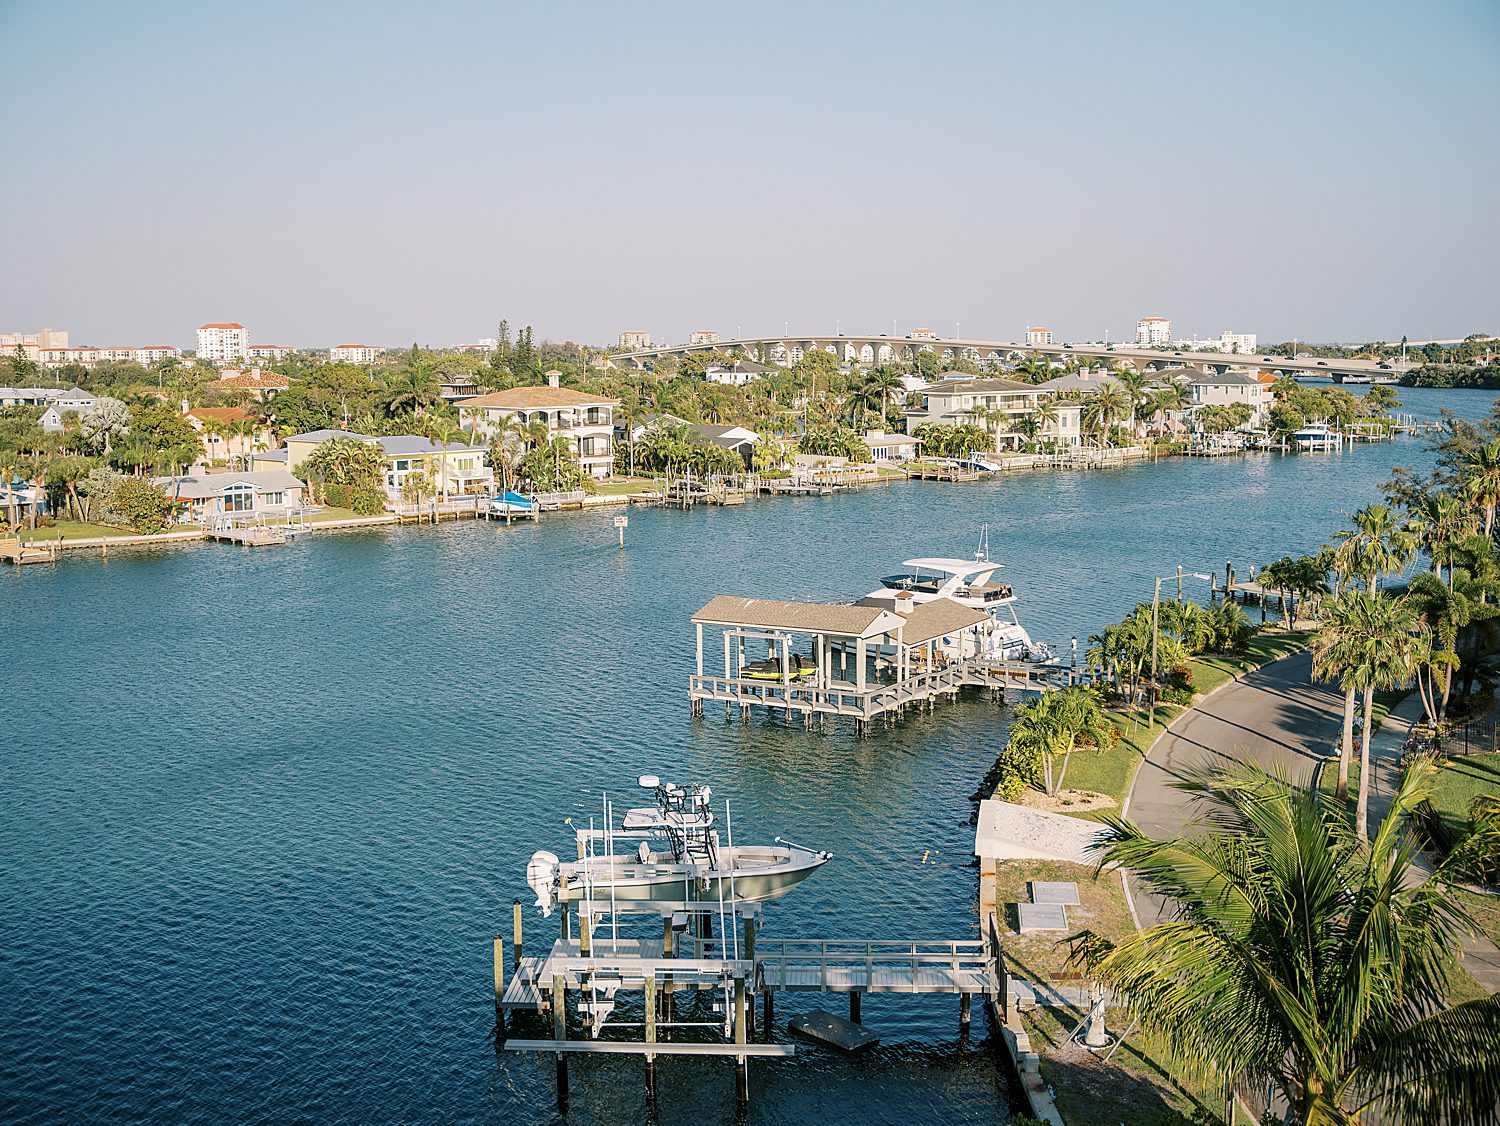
[
  {"x": 678, "y": 858},
  {"x": 969, "y": 582}
]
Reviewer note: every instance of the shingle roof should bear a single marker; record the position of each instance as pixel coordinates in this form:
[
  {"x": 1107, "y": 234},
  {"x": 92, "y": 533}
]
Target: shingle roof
[
  {"x": 203, "y": 486},
  {"x": 802, "y": 617},
  {"x": 327, "y": 435},
  {"x": 1228, "y": 379},
  {"x": 407, "y": 445},
  {"x": 958, "y": 383},
  {"x": 938, "y": 618},
  {"x": 531, "y": 398},
  {"x": 1077, "y": 382}
]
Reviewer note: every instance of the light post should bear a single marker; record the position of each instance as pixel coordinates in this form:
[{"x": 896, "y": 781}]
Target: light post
[{"x": 1156, "y": 622}]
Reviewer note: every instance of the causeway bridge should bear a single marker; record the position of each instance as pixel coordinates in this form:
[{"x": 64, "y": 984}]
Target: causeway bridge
[{"x": 788, "y": 348}]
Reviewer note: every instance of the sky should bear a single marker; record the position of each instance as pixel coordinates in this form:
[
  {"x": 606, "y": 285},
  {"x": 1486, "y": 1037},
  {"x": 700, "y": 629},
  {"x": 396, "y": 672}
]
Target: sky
[{"x": 373, "y": 172}]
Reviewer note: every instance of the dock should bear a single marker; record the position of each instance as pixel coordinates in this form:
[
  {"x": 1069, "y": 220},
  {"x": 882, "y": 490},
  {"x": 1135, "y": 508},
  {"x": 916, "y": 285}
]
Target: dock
[
  {"x": 248, "y": 535},
  {"x": 14, "y": 551}
]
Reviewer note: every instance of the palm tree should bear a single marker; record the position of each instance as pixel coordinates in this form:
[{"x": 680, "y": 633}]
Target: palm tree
[
  {"x": 1444, "y": 522},
  {"x": 1054, "y": 723},
  {"x": 1383, "y": 660},
  {"x": 884, "y": 383},
  {"x": 1335, "y": 654},
  {"x": 1380, "y": 544},
  {"x": 1445, "y": 610},
  {"x": 1480, "y": 481},
  {"x": 1302, "y": 958}
]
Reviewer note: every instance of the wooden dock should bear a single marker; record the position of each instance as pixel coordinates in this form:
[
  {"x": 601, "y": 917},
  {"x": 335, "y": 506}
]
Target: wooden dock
[
  {"x": 249, "y": 535},
  {"x": 20, "y": 554}
]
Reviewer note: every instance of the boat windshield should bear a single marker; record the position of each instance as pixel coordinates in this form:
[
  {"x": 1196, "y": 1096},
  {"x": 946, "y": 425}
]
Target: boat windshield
[{"x": 913, "y": 581}]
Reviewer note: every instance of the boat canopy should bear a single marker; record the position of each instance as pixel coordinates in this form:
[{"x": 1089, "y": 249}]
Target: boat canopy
[{"x": 953, "y": 566}]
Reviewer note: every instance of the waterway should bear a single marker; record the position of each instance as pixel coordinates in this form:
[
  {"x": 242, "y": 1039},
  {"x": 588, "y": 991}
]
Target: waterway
[{"x": 265, "y": 809}]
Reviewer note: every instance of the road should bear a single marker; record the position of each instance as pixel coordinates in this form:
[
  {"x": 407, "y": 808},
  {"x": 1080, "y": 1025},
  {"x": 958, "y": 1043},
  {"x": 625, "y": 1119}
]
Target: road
[{"x": 1276, "y": 717}]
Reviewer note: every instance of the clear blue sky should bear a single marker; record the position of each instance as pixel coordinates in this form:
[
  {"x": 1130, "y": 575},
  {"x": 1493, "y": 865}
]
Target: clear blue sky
[{"x": 381, "y": 172}]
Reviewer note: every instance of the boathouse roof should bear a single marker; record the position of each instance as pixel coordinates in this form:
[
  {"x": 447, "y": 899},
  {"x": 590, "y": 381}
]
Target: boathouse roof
[
  {"x": 800, "y": 617},
  {"x": 939, "y": 618}
]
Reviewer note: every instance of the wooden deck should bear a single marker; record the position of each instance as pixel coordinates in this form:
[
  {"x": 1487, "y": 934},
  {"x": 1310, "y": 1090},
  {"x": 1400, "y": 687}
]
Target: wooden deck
[
  {"x": 14, "y": 551},
  {"x": 250, "y": 535}
]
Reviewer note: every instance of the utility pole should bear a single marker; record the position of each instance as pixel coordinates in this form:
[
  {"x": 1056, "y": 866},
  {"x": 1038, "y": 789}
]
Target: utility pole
[{"x": 1155, "y": 633}]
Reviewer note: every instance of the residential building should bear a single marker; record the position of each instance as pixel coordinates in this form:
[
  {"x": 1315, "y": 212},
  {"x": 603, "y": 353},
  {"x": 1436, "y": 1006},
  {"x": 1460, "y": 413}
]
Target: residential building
[
  {"x": 736, "y": 372},
  {"x": 268, "y": 353},
  {"x": 356, "y": 354},
  {"x": 205, "y": 498},
  {"x": 736, "y": 439},
  {"x": 76, "y": 401},
  {"x": 703, "y": 336},
  {"x": 1039, "y": 337},
  {"x": 633, "y": 340},
  {"x": 458, "y": 389},
  {"x": 222, "y": 342},
  {"x": 156, "y": 353},
  {"x": 31, "y": 344},
  {"x": 27, "y": 396},
  {"x": 1079, "y": 383},
  {"x": 458, "y": 468},
  {"x": 1151, "y": 331},
  {"x": 922, "y": 334},
  {"x": 995, "y": 405},
  {"x": 586, "y": 421},
  {"x": 890, "y": 447},
  {"x": 230, "y": 434},
  {"x": 1232, "y": 387},
  {"x": 262, "y": 385},
  {"x": 1237, "y": 343}
]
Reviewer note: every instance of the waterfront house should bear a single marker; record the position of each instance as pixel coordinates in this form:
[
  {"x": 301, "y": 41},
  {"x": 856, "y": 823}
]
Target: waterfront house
[
  {"x": 203, "y": 498},
  {"x": 76, "y": 401},
  {"x": 459, "y": 469},
  {"x": 737, "y": 372},
  {"x": 886, "y": 448},
  {"x": 586, "y": 421},
  {"x": 1228, "y": 388},
  {"x": 995, "y": 405},
  {"x": 228, "y": 433},
  {"x": 736, "y": 439},
  {"x": 1078, "y": 384}
]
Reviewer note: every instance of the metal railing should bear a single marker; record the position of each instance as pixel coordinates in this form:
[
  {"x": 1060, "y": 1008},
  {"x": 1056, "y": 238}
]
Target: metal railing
[{"x": 855, "y": 963}]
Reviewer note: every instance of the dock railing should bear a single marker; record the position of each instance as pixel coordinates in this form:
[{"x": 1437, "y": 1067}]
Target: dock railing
[{"x": 853, "y": 965}]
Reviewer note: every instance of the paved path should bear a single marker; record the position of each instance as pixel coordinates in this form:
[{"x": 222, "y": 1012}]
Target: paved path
[{"x": 1274, "y": 716}]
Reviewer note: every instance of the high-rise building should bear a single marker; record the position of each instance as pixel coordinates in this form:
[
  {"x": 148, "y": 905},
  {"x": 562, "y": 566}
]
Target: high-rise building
[
  {"x": 1153, "y": 330},
  {"x": 1239, "y": 343},
  {"x": 703, "y": 336},
  {"x": 356, "y": 354},
  {"x": 1038, "y": 337},
  {"x": 633, "y": 340},
  {"x": 222, "y": 343}
]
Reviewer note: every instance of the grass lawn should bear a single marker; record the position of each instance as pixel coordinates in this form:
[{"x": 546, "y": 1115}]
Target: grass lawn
[
  {"x": 622, "y": 488},
  {"x": 1110, "y": 772},
  {"x": 1462, "y": 779},
  {"x": 73, "y": 530},
  {"x": 1137, "y": 1085},
  {"x": 329, "y": 513}
]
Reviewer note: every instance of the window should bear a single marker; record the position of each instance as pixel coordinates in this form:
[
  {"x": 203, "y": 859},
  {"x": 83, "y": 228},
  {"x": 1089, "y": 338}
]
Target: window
[
  {"x": 275, "y": 500},
  {"x": 239, "y": 498}
]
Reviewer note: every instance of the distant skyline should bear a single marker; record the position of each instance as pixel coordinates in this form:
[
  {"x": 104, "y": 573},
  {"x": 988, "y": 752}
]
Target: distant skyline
[{"x": 383, "y": 172}]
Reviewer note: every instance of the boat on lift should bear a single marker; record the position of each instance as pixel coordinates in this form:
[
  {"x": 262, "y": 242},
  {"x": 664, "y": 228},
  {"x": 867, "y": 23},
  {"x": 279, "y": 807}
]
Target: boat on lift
[
  {"x": 969, "y": 582},
  {"x": 678, "y": 858}
]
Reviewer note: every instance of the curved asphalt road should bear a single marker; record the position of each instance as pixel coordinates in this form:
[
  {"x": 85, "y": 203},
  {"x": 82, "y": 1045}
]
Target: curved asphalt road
[{"x": 1274, "y": 716}]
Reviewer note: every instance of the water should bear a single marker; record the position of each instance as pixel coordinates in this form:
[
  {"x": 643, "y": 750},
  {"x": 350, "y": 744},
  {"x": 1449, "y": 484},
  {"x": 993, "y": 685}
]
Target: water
[{"x": 266, "y": 808}]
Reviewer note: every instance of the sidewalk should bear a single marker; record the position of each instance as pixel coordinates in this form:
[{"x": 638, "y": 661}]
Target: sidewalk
[{"x": 1481, "y": 957}]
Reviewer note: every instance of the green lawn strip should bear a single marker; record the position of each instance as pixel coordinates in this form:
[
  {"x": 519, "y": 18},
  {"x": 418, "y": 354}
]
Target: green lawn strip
[
  {"x": 1111, "y": 772},
  {"x": 328, "y": 514},
  {"x": 1138, "y": 1084},
  {"x": 74, "y": 530},
  {"x": 621, "y": 488},
  {"x": 1460, "y": 780}
]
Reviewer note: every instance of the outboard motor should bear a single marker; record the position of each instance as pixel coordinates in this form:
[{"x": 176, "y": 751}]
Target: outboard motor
[{"x": 541, "y": 875}]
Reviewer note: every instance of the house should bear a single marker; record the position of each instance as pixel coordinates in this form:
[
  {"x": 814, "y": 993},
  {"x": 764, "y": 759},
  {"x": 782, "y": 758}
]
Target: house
[
  {"x": 890, "y": 447},
  {"x": 1229, "y": 388},
  {"x": 27, "y": 396},
  {"x": 459, "y": 469},
  {"x": 204, "y": 497},
  {"x": 996, "y": 405},
  {"x": 736, "y": 372},
  {"x": 76, "y": 401},
  {"x": 262, "y": 385},
  {"x": 458, "y": 389},
  {"x": 228, "y": 433},
  {"x": 1079, "y": 383},
  {"x": 734, "y": 438},
  {"x": 585, "y": 420}
]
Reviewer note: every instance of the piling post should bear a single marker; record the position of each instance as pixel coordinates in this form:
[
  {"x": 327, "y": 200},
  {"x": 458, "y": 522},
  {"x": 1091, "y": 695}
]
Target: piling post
[
  {"x": 854, "y": 1005},
  {"x": 668, "y": 936},
  {"x": 650, "y": 1001},
  {"x": 515, "y": 932},
  {"x": 499, "y": 989},
  {"x": 560, "y": 1033},
  {"x": 741, "y": 1063},
  {"x": 963, "y": 1011}
]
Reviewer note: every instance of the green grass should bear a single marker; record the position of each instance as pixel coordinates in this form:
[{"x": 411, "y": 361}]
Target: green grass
[
  {"x": 622, "y": 488},
  {"x": 1110, "y": 772},
  {"x": 74, "y": 530},
  {"x": 328, "y": 513},
  {"x": 1459, "y": 782}
]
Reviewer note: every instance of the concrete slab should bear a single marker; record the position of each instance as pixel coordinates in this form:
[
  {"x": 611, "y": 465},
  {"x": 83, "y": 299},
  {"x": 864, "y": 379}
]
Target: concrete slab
[
  {"x": 1044, "y": 891},
  {"x": 827, "y": 1028},
  {"x": 1042, "y": 917},
  {"x": 1016, "y": 832}
]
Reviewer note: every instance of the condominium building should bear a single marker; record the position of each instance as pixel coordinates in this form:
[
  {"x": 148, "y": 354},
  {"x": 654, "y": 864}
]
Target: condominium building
[
  {"x": 633, "y": 340},
  {"x": 356, "y": 354},
  {"x": 32, "y": 343},
  {"x": 1038, "y": 337},
  {"x": 703, "y": 336},
  {"x": 272, "y": 353},
  {"x": 1151, "y": 331},
  {"x": 222, "y": 343},
  {"x": 1237, "y": 343},
  {"x": 586, "y": 421},
  {"x": 156, "y": 353},
  {"x": 922, "y": 334}
]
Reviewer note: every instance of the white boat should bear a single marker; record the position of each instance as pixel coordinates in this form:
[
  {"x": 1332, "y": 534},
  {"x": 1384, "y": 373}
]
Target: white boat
[
  {"x": 678, "y": 858},
  {"x": 1317, "y": 436},
  {"x": 969, "y": 582}
]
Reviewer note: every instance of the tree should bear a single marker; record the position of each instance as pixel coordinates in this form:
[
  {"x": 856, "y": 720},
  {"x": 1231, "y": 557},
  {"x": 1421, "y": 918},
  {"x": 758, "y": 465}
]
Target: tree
[
  {"x": 1335, "y": 651},
  {"x": 1382, "y": 660},
  {"x": 140, "y": 504},
  {"x": 1303, "y": 958},
  {"x": 1055, "y": 723},
  {"x": 1379, "y": 544},
  {"x": 1480, "y": 481},
  {"x": 883, "y": 384},
  {"x": 103, "y": 422}
]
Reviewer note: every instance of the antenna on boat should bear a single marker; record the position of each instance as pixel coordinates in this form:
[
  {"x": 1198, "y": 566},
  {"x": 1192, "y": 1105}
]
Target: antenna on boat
[{"x": 983, "y": 554}]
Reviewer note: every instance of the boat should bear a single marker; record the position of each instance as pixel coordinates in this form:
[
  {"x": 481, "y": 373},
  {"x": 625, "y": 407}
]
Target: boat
[
  {"x": 511, "y": 502},
  {"x": 678, "y": 858},
  {"x": 801, "y": 668},
  {"x": 981, "y": 463},
  {"x": 969, "y": 582},
  {"x": 1317, "y": 436}
]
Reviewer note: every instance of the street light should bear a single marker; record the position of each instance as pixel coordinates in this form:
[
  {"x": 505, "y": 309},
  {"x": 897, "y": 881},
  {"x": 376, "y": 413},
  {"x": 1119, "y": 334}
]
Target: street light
[{"x": 1156, "y": 622}]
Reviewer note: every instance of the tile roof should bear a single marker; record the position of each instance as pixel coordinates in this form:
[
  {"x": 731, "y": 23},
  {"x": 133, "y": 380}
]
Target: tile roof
[
  {"x": 533, "y": 398},
  {"x": 222, "y": 325},
  {"x": 254, "y": 380},
  {"x": 218, "y": 414}
]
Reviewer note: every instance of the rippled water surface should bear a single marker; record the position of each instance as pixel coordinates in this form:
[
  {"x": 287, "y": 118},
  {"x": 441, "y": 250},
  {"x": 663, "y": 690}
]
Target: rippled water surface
[{"x": 265, "y": 809}]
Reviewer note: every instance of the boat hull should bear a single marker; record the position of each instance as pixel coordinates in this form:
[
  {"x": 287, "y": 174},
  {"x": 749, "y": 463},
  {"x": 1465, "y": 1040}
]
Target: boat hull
[{"x": 624, "y": 880}]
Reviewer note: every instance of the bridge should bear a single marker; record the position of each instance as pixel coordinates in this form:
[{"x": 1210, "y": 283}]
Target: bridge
[{"x": 789, "y": 348}]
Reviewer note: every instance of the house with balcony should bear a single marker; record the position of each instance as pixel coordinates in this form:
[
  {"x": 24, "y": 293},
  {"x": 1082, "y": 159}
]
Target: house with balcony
[
  {"x": 229, "y": 434},
  {"x": 586, "y": 421},
  {"x": 459, "y": 469},
  {"x": 1227, "y": 388},
  {"x": 201, "y": 498},
  {"x": 996, "y": 406}
]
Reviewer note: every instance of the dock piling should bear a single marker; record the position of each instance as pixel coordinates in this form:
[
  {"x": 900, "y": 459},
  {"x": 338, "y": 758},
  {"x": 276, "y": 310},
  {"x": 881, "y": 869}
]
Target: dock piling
[
  {"x": 650, "y": 1002},
  {"x": 515, "y": 932},
  {"x": 963, "y": 1011},
  {"x": 854, "y": 1005},
  {"x": 560, "y": 1032},
  {"x": 499, "y": 988},
  {"x": 741, "y": 1063}
]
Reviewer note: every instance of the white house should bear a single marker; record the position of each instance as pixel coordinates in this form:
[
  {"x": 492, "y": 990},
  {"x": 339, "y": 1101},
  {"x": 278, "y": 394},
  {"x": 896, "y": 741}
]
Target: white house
[
  {"x": 76, "y": 401},
  {"x": 458, "y": 468},
  {"x": 736, "y": 372},
  {"x": 734, "y": 438},
  {"x": 890, "y": 447},
  {"x": 586, "y": 421},
  {"x": 993, "y": 404},
  {"x": 205, "y": 497}
]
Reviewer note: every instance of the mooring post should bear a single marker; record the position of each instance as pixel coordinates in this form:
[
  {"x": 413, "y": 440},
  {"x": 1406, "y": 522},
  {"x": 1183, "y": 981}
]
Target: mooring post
[
  {"x": 963, "y": 1011},
  {"x": 668, "y": 935},
  {"x": 854, "y": 999},
  {"x": 499, "y": 989},
  {"x": 741, "y": 1063},
  {"x": 562, "y": 907},
  {"x": 650, "y": 1002},
  {"x": 515, "y": 932},
  {"x": 560, "y": 1033}
]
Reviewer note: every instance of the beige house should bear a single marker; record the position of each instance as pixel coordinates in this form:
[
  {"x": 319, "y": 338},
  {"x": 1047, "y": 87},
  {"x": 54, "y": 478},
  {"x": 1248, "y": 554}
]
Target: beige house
[
  {"x": 458, "y": 470},
  {"x": 995, "y": 405},
  {"x": 586, "y": 421},
  {"x": 262, "y": 385},
  {"x": 229, "y": 434},
  {"x": 237, "y": 497}
]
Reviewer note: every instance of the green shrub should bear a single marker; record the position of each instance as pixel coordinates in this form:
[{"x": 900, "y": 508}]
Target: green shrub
[
  {"x": 142, "y": 505},
  {"x": 339, "y": 496},
  {"x": 367, "y": 502}
]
